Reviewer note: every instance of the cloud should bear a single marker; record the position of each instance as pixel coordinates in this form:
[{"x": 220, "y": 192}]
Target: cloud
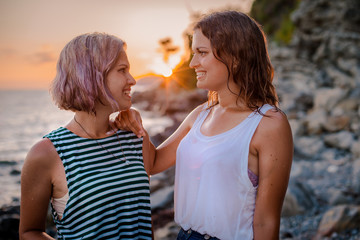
[
  {"x": 44, "y": 55},
  {"x": 7, "y": 52}
]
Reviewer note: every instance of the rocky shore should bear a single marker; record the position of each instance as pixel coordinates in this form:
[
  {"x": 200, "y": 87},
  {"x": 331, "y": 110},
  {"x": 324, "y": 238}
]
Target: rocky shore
[{"x": 317, "y": 78}]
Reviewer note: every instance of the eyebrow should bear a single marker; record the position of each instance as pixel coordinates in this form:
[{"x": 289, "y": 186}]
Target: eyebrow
[
  {"x": 123, "y": 65},
  {"x": 199, "y": 48}
]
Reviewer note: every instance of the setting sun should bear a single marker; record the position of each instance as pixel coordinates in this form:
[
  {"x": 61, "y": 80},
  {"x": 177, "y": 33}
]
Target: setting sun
[
  {"x": 167, "y": 73},
  {"x": 163, "y": 68}
]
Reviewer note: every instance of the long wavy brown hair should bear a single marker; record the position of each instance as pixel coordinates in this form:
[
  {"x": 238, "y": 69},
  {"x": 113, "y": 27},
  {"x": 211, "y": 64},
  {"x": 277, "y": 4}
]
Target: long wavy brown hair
[{"x": 238, "y": 41}]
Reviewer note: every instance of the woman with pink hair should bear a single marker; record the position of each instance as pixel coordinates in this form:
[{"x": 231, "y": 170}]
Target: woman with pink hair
[{"x": 98, "y": 185}]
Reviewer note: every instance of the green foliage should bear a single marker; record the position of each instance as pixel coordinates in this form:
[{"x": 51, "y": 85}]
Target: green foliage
[
  {"x": 284, "y": 33},
  {"x": 274, "y": 16}
]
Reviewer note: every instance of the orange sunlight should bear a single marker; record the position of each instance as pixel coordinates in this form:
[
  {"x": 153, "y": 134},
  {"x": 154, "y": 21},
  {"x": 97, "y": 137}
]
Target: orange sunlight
[
  {"x": 163, "y": 68},
  {"x": 22, "y": 75},
  {"x": 167, "y": 73}
]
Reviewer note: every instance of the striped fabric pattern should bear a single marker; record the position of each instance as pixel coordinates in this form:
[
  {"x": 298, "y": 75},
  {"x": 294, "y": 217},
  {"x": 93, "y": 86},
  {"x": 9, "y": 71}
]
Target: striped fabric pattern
[{"x": 108, "y": 198}]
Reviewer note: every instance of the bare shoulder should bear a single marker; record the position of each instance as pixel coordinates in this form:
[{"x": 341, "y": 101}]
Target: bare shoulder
[
  {"x": 274, "y": 121},
  {"x": 190, "y": 119},
  {"x": 273, "y": 126},
  {"x": 41, "y": 155}
]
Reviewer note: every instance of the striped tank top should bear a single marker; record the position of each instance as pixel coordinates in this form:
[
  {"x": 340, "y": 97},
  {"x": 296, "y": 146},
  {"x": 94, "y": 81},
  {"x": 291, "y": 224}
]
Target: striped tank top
[{"x": 108, "y": 198}]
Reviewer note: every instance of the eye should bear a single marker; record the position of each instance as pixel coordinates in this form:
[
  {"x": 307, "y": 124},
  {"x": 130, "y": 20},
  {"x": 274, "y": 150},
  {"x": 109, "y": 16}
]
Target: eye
[
  {"x": 122, "y": 70},
  {"x": 202, "y": 53}
]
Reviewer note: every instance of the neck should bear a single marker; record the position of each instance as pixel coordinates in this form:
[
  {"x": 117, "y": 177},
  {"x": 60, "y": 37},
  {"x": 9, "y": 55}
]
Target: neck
[
  {"x": 90, "y": 126},
  {"x": 230, "y": 101}
]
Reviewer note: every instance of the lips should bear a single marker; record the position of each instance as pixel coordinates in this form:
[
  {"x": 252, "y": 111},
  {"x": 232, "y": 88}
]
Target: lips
[
  {"x": 200, "y": 74},
  {"x": 127, "y": 92}
]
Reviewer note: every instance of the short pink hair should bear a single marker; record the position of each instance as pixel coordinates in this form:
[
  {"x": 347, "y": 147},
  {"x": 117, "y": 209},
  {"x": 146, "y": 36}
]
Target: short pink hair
[{"x": 82, "y": 69}]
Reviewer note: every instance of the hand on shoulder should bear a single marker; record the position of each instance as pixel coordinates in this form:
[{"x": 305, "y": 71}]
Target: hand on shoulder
[{"x": 129, "y": 120}]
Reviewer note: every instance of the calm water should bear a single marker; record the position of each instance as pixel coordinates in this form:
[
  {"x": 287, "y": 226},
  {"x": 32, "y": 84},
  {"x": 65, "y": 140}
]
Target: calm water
[{"x": 25, "y": 116}]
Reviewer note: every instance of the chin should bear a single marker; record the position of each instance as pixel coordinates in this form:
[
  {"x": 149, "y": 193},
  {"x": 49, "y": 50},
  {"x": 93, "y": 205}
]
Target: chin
[
  {"x": 123, "y": 106},
  {"x": 200, "y": 85}
]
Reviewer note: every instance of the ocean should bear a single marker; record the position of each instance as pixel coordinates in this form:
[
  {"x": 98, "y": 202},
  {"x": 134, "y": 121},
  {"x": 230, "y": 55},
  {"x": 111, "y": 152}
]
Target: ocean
[{"x": 26, "y": 116}]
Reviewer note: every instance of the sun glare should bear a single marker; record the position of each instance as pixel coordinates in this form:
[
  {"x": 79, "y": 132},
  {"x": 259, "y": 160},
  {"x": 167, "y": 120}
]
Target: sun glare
[
  {"x": 162, "y": 68},
  {"x": 167, "y": 73}
]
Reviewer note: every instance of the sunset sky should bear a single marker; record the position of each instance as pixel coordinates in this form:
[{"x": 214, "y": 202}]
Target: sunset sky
[{"x": 34, "y": 32}]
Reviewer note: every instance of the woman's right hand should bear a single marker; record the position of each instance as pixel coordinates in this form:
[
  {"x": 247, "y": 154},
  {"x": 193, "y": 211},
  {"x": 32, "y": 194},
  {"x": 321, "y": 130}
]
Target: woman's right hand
[{"x": 129, "y": 120}]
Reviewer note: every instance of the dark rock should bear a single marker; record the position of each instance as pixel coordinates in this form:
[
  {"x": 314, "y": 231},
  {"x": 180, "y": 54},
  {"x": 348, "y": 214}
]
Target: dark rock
[
  {"x": 15, "y": 172},
  {"x": 162, "y": 217},
  {"x": 9, "y": 222}
]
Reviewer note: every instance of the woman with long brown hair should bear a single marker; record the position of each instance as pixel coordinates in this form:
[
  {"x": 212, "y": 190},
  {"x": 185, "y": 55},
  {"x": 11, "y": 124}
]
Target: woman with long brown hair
[{"x": 233, "y": 155}]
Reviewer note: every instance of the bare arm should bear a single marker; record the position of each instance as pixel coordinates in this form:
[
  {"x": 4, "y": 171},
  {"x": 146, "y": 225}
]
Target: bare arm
[
  {"x": 148, "y": 154},
  {"x": 273, "y": 142},
  {"x": 163, "y": 156},
  {"x": 36, "y": 187},
  {"x": 166, "y": 153}
]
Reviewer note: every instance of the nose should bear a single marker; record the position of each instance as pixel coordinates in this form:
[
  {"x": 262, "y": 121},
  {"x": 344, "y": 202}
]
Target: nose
[
  {"x": 193, "y": 62},
  {"x": 131, "y": 80}
]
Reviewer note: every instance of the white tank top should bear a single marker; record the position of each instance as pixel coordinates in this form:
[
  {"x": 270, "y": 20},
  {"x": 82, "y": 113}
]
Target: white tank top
[{"x": 213, "y": 192}]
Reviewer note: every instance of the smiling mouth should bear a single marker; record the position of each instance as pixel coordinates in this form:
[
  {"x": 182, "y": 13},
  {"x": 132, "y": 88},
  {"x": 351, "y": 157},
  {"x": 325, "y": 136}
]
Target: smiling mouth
[
  {"x": 127, "y": 93},
  {"x": 200, "y": 74}
]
